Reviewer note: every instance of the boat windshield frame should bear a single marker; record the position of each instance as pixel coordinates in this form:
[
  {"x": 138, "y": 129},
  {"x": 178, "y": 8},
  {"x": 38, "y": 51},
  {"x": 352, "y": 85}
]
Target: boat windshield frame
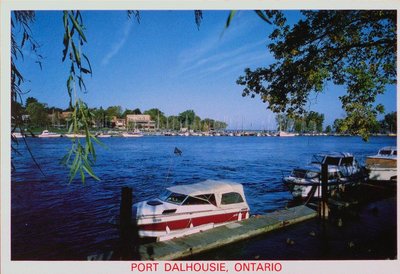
[
  {"x": 386, "y": 152},
  {"x": 333, "y": 160},
  {"x": 173, "y": 197}
]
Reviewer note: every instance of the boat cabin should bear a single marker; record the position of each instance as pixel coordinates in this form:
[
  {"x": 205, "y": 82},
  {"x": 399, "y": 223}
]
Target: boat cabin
[
  {"x": 388, "y": 151},
  {"x": 335, "y": 158},
  {"x": 217, "y": 193}
]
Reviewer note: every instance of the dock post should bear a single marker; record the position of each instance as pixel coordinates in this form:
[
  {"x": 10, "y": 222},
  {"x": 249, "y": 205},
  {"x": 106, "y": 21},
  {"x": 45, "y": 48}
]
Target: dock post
[
  {"x": 128, "y": 248},
  {"x": 323, "y": 208}
]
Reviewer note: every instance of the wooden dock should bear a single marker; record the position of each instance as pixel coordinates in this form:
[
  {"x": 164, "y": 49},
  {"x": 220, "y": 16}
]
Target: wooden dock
[{"x": 223, "y": 235}]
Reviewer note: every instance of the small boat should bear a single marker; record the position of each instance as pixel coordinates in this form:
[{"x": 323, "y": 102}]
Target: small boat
[
  {"x": 17, "y": 135},
  {"x": 343, "y": 170},
  {"x": 103, "y": 135},
  {"x": 48, "y": 134},
  {"x": 383, "y": 166},
  {"x": 132, "y": 134},
  {"x": 186, "y": 209},
  {"x": 286, "y": 134},
  {"x": 74, "y": 135}
]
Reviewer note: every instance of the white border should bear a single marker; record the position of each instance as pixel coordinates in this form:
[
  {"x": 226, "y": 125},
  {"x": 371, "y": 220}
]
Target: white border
[{"x": 8, "y": 266}]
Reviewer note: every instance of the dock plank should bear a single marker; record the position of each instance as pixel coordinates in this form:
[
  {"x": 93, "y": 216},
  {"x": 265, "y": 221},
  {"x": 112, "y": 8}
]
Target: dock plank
[{"x": 223, "y": 235}]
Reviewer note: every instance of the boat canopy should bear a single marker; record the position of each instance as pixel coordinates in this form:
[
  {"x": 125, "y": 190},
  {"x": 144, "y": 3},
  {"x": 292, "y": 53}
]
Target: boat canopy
[
  {"x": 334, "y": 158},
  {"x": 207, "y": 187},
  {"x": 388, "y": 151}
]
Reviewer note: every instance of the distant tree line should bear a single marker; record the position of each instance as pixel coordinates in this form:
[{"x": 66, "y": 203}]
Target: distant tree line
[
  {"x": 313, "y": 122},
  {"x": 309, "y": 122},
  {"x": 38, "y": 114}
]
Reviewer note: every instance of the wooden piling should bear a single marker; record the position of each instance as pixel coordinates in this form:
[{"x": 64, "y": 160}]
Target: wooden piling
[
  {"x": 128, "y": 239},
  {"x": 323, "y": 206}
]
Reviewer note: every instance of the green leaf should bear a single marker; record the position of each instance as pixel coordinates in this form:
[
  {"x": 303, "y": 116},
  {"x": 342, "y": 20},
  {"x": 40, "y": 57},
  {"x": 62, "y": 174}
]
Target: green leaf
[
  {"x": 262, "y": 16},
  {"x": 88, "y": 62},
  {"x": 91, "y": 173},
  {"x": 86, "y": 71},
  {"x": 74, "y": 168},
  {"x": 230, "y": 17},
  {"x": 77, "y": 27},
  {"x": 76, "y": 54},
  {"x": 66, "y": 46},
  {"x": 82, "y": 175},
  {"x": 65, "y": 18}
]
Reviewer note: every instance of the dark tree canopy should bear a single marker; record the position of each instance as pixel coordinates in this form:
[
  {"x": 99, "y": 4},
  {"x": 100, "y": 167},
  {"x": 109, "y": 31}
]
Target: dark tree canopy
[{"x": 355, "y": 48}]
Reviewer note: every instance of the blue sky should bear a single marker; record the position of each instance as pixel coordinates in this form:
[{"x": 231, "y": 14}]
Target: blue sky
[{"x": 167, "y": 63}]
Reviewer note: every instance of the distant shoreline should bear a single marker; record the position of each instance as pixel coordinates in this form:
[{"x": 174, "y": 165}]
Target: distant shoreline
[{"x": 191, "y": 133}]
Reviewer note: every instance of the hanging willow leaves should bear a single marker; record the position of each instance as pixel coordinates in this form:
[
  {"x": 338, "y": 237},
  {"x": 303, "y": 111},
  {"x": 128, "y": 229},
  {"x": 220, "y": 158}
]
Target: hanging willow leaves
[
  {"x": 82, "y": 155},
  {"x": 20, "y": 20}
]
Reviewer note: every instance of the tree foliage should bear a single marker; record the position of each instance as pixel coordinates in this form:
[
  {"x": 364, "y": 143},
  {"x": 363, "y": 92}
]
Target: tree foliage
[
  {"x": 114, "y": 111},
  {"x": 389, "y": 123},
  {"x": 355, "y": 48},
  {"x": 157, "y": 116},
  {"x": 187, "y": 118},
  {"x": 37, "y": 114}
]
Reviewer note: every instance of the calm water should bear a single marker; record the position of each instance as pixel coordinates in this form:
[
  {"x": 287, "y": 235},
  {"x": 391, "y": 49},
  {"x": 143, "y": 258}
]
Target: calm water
[{"x": 54, "y": 220}]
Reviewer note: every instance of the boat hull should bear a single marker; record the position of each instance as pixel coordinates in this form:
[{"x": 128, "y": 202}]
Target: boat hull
[
  {"x": 49, "y": 136},
  {"x": 75, "y": 135},
  {"x": 132, "y": 135},
  {"x": 302, "y": 188},
  {"x": 382, "y": 174},
  {"x": 182, "y": 224},
  {"x": 381, "y": 169}
]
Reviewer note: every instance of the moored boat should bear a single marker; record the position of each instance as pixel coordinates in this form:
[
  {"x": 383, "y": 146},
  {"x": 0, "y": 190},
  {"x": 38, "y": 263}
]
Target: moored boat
[
  {"x": 74, "y": 135},
  {"x": 48, "y": 134},
  {"x": 188, "y": 209},
  {"x": 103, "y": 135},
  {"x": 17, "y": 135},
  {"x": 286, "y": 134},
  {"x": 132, "y": 134},
  {"x": 383, "y": 165},
  {"x": 343, "y": 170}
]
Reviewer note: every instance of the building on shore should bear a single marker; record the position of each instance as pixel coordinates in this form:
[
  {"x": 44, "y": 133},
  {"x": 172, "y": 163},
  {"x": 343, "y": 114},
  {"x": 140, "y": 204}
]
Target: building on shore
[
  {"x": 119, "y": 123},
  {"x": 140, "y": 121}
]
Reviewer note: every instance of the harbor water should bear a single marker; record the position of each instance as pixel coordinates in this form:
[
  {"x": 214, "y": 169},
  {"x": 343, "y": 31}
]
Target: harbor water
[{"x": 54, "y": 220}]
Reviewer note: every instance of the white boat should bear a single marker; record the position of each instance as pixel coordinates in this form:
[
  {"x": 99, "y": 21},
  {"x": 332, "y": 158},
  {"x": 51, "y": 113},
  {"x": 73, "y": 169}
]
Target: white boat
[
  {"x": 343, "y": 170},
  {"x": 48, "y": 134},
  {"x": 74, "y": 135},
  {"x": 187, "y": 209},
  {"x": 132, "y": 134},
  {"x": 103, "y": 135},
  {"x": 286, "y": 134},
  {"x": 17, "y": 135},
  {"x": 383, "y": 165}
]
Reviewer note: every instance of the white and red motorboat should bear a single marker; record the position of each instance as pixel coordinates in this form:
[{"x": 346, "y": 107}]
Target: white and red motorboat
[{"x": 186, "y": 209}]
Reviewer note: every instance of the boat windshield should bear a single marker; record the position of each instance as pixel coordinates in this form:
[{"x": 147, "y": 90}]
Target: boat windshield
[
  {"x": 304, "y": 174},
  {"x": 385, "y": 152},
  {"x": 172, "y": 197}
]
